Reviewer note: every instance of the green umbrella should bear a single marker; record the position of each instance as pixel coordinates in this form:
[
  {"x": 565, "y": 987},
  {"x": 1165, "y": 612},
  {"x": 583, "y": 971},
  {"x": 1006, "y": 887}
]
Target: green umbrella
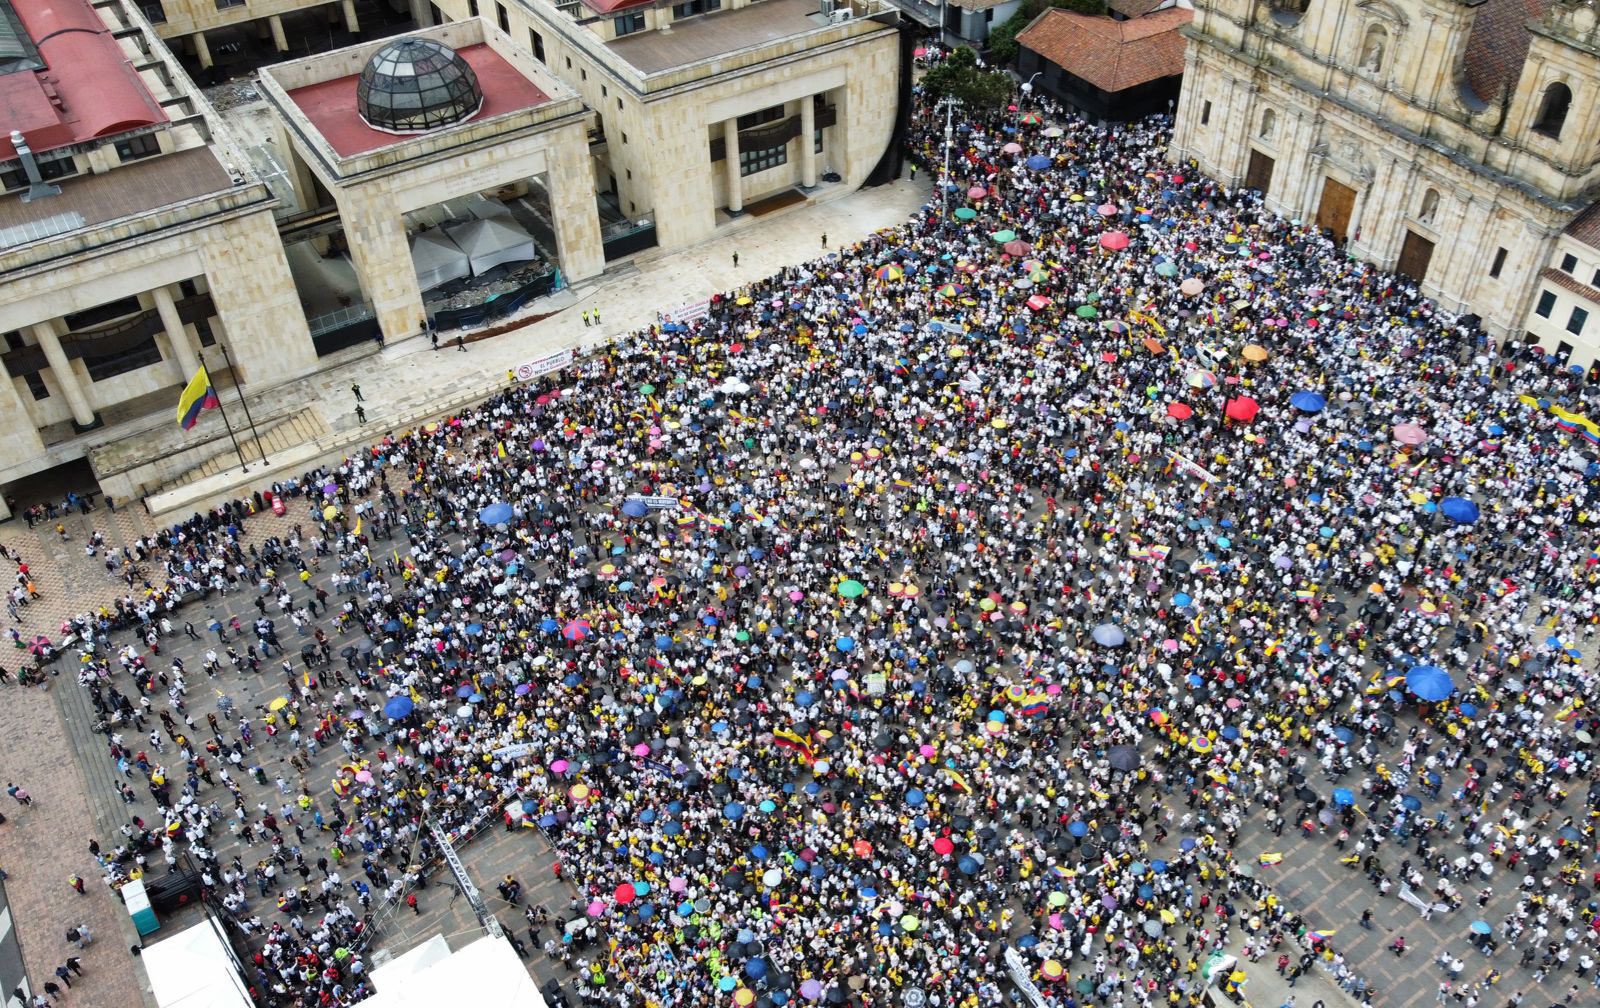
[
  {"x": 1166, "y": 269},
  {"x": 852, "y": 589},
  {"x": 1087, "y": 311},
  {"x": 647, "y": 389},
  {"x": 1001, "y": 237},
  {"x": 742, "y": 635},
  {"x": 966, "y": 213}
]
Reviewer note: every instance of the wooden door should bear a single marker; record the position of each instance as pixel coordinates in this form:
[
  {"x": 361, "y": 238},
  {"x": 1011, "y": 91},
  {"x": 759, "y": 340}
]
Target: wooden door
[
  {"x": 1258, "y": 173},
  {"x": 1333, "y": 212},
  {"x": 1415, "y": 253}
]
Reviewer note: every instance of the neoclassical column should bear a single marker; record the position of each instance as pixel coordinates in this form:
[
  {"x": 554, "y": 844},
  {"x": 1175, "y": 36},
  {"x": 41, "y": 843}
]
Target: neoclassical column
[
  {"x": 808, "y": 142},
  {"x": 730, "y": 162},
  {"x": 280, "y": 41},
  {"x": 49, "y": 337},
  {"x": 351, "y": 24},
  {"x": 177, "y": 333}
]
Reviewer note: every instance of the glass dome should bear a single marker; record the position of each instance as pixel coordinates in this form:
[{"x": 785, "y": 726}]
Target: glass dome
[{"x": 413, "y": 85}]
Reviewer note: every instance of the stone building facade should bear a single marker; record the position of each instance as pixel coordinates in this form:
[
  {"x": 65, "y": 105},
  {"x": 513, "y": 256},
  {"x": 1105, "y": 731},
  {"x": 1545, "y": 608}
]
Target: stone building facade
[{"x": 1452, "y": 141}]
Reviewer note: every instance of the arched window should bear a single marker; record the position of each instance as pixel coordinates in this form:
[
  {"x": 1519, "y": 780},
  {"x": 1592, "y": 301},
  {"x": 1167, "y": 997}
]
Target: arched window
[
  {"x": 1430, "y": 206},
  {"x": 1553, "y": 110},
  {"x": 1373, "y": 48},
  {"x": 1269, "y": 122}
]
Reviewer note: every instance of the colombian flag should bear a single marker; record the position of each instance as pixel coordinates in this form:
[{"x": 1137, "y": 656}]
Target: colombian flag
[
  {"x": 801, "y": 745},
  {"x": 197, "y": 396}
]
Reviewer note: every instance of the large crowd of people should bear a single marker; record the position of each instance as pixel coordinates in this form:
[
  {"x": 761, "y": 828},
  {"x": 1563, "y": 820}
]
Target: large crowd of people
[{"x": 969, "y": 589}]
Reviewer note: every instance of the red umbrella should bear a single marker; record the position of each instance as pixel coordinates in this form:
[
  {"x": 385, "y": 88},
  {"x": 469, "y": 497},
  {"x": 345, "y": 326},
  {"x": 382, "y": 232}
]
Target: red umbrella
[
  {"x": 1179, "y": 411},
  {"x": 1107, "y": 210},
  {"x": 1114, "y": 240},
  {"x": 1243, "y": 409}
]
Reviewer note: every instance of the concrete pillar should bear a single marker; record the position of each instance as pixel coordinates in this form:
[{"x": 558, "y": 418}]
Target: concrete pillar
[
  {"x": 570, "y": 180},
  {"x": 201, "y": 50},
  {"x": 183, "y": 353},
  {"x": 382, "y": 258},
  {"x": 808, "y": 142},
  {"x": 49, "y": 337},
  {"x": 730, "y": 163},
  {"x": 350, "y": 23},
  {"x": 279, "y": 40},
  {"x": 422, "y": 13}
]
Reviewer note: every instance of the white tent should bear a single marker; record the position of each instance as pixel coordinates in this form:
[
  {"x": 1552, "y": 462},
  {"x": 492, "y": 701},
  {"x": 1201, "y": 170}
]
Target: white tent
[
  {"x": 437, "y": 259},
  {"x": 194, "y": 969},
  {"x": 489, "y": 968},
  {"x": 491, "y": 243}
]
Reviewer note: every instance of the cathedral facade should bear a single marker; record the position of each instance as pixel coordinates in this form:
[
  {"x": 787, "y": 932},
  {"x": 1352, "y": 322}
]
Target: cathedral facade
[{"x": 1454, "y": 141}]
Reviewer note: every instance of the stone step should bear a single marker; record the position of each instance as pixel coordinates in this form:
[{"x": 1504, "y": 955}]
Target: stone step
[{"x": 297, "y": 429}]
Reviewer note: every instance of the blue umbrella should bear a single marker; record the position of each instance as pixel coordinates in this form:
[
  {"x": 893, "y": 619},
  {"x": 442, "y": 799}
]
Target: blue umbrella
[
  {"x": 1309, "y": 402},
  {"x": 1411, "y": 802},
  {"x": 1037, "y": 162},
  {"x": 1429, "y": 682},
  {"x": 968, "y": 864},
  {"x": 1480, "y": 927},
  {"x": 635, "y": 508},
  {"x": 733, "y": 811},
  {"x": 391, "y": 625},
  {"x": 1459, "y": 510},
  {"x": 845, "y": 644},
  {"x": 647, "y": 816},
  {"x": 915, "y": 797},
  {"x": 497, "y": 513},
  {"x": 398, "y": 707},
  {"x": 1343, "y": 796},
  {"x": 1181, "y": 599},
  {"x": 1344, "y": 734},
  {"x": 463, "y": 691},
  {"x": 1077, "y": 828}
]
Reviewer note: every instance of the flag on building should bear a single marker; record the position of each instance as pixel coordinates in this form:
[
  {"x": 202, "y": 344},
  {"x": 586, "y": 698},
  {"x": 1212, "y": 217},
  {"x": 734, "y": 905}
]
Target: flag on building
[{"x": 197, "y": 397}]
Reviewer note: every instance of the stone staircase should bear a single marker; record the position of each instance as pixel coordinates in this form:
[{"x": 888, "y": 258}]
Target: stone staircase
[{"x": 296, "y": 429}]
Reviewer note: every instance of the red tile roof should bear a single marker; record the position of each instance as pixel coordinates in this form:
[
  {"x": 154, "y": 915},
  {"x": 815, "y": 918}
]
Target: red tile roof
[
  {"x": 1576, "y": 286},
  {"x": 1586, "y": 226},
  {"x": 1497, "y": 46},
  {"x": 1112, "y": 55}
]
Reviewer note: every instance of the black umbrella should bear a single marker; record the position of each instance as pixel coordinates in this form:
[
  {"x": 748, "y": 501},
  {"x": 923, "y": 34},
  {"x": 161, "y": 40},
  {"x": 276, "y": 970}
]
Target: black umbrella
[
  {"x": 1124, "y": 758},
  {"x": 366, "y": 645},
  {"x": 1108, "y": 833},
  {"x": 1305, "y": 794},
  {"x": 348, "y": 651},
  {"x": 695, "y": 856}
]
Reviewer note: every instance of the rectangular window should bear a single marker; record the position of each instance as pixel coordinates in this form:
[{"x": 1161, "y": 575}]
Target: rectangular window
[
  {"x": 754, "y": 161},
  {"x": 120, "y": 363},
  {"x": 753, "y": 119},
  {"x": 1569, "y": 262},
  {"x": 1499, "y": 262},
  {"x": 134, "y": 148},
  {"x": 472, "y": 8},
  {"x": 225, "y": 4},
  {"x": 14, "y": 340},
  {"x": 818, "y": 147},
  {"x": 693, "y": 7},
  {"x": 502, "y": 17},
  {"x": 202, "y": 329},
  {"x": 35, "y": 383},
  {"x": 1205, "y": 113},
  {"x": 628, "y": 23},
  {"x": 1547, "y": 304},
  {"x": 155, "y": 12},
  {"x": 50, "y": 167},
  {"x": 1576, "y": 321},
  {"x": 537, "y": 42}
]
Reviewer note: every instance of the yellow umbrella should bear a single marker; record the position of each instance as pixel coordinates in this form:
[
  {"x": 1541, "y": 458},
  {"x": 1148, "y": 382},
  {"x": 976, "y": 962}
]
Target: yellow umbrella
[
  {"x": 1253, "y": 352},
  {"x": 329, "y": 512},
  {"x": 278, "y": 704}
]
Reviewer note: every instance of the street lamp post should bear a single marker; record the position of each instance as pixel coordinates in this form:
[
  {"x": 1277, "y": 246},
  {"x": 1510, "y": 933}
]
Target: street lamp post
[
  {"x": 949, "y": 104},
  {"x": 1027, "y": 85}
]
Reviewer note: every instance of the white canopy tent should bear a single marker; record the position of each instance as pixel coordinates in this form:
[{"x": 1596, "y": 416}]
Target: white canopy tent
[
  {"x": 437, "y": 259},
  {"x": 194, "y": 969},
  {"x": 422, "y": 978},
  {"x": 493, "y": 242}
]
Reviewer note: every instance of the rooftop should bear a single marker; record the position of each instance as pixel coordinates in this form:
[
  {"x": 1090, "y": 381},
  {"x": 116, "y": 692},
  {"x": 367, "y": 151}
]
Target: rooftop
[
  {"x": 713, "y": 35},
  {"x": 330, "y": 105},
  {"x": 1112, "y": 55},
  {"x": 131, "y": 190},
  {"x": 87, "y": 89},
  {"x": 1498, "y": 44}
]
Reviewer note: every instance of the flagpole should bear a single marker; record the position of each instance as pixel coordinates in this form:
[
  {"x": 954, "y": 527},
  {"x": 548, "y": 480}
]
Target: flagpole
[
  {"x": 242, "y": 401},
  {"x": 245, "y": 465}
]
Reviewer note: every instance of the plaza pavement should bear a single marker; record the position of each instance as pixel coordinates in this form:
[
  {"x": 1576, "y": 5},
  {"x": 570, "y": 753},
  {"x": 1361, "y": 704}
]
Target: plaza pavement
[{"x": 47, "y": 745}]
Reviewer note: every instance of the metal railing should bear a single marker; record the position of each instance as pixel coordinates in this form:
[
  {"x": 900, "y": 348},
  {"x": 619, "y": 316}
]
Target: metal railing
[{"x": 339, "y": 319}]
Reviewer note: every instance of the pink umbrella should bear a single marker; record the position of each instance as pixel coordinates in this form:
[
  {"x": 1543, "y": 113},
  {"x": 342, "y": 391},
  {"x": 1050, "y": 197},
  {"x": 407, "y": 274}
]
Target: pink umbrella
[
  {"x": 1108, "y": 210},
  {"x": 1409, "y": 434},
  {"x": 558, "y": 766},
  {"x": 1038, "y": 302},
  {"x": 596, "y": 908},
  {"x": 642, "y": 749},
  {"x": 1012, "y": 148},
  {"x": 1192, "y": 286},
  {"x": 977, "y": 192},
  {"x": 1017, "y": 247},
  {"x": 1114, "y": 240},
  {"x": 677, "y": 883}
]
